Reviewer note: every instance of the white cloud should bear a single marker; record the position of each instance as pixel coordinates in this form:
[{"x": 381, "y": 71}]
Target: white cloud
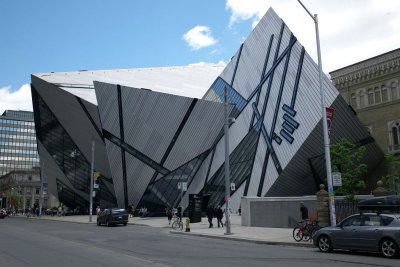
[
  {"x": 245, "y": 10},
  {"x": 199, "y": 37},
  {"x": 16, "y": 100},
  {"x": 350, "y": 31}
]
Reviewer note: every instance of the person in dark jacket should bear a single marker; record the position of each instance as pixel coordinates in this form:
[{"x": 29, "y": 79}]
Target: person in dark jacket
[
  {"x": 210, "y": 215},
  {"x": 219, "y": 214},
  {"x": 303, "y": 211}
]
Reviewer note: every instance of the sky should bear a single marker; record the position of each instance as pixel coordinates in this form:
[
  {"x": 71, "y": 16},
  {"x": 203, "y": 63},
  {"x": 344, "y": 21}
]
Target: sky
[{"x": 59, "y": 36}]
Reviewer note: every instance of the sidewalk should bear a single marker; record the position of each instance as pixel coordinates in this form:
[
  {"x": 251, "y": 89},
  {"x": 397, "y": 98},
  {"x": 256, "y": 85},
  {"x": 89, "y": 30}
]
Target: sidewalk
[{"x": 261, "y": 235}]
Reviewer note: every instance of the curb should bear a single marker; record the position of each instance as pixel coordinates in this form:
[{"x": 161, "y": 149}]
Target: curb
[{"x": 248, "y": 240}]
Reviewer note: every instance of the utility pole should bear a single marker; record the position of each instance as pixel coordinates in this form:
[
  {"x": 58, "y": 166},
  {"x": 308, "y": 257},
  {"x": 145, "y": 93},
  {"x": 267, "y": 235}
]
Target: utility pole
[
  {"x": 227, "y": 172},
  {"x": 91, "y": 185},
  {"x": 324, "y": 124}
]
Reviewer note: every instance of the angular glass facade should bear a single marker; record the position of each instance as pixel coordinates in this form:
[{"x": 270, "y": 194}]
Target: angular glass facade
[{"x": 67, "y": 156}]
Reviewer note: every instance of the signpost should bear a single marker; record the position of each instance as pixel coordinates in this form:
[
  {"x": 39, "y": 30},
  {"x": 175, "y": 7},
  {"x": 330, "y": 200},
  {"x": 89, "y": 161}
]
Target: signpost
[{"x": 337, "y": 179}]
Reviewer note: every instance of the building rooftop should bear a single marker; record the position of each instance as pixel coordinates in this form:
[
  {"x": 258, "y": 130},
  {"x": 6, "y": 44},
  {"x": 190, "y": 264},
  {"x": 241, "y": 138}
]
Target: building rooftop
[{"x": 190, "y": 81}]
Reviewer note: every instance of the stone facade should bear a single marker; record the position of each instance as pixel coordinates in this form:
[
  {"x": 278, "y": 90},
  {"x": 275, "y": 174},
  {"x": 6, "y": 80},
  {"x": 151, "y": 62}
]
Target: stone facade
[{"x": 372, "y": 88}]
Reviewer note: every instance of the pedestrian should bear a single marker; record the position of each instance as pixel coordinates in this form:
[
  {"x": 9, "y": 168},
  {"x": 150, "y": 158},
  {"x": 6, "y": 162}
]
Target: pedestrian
[
  {"x": 210, "y": 215},
  {"x": 98, "y": 211},
  {"x": 303, "y": 211},
  {"x": 219, "y": 214},
  {"x": 179, "y": 213},
  {"x": 169, "y": 215}
]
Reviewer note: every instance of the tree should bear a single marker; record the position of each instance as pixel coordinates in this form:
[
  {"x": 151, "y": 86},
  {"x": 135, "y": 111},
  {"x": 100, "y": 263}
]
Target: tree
[
  {"x": 392, "y": 178},
  {"x": 347, "y": 159}
]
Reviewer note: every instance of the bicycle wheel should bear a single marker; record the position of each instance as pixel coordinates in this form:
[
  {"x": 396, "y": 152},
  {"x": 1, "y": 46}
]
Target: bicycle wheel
[
  {"x": 297, "y": 234},
  {"x": 306, "y": 236}
]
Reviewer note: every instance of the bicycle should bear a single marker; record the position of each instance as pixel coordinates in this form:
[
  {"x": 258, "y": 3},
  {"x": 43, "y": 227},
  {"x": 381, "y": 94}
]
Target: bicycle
[
  {"x": 305, "y": 230},
  {"x": 177, "y": 223}
]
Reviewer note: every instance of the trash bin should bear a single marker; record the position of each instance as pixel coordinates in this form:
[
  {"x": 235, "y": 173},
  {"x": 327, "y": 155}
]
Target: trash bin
[{"x": 195, "y": 203}]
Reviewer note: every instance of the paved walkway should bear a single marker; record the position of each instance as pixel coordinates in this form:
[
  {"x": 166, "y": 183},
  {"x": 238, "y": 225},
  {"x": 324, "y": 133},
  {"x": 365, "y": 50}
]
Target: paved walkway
[{"x": 276, "y": 236}]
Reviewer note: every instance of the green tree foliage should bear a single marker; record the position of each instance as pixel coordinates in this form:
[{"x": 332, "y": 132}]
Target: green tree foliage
[
  {"x": 390, "y": 180},
  {"x": 347, "y": 159}
]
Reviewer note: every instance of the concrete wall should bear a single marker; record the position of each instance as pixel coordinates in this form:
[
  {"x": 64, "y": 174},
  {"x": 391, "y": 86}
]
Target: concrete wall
[{"x": 278, "y": 212}]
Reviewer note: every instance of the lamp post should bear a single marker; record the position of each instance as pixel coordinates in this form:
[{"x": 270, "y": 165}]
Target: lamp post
[
  {"x": 227, "y": 179},
  {"x": 324, "y": 124},
  {"x": 91, "y": 185}
]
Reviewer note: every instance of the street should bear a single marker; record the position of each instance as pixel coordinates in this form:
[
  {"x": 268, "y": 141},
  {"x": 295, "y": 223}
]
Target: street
[{"x": 36, "y": 242}]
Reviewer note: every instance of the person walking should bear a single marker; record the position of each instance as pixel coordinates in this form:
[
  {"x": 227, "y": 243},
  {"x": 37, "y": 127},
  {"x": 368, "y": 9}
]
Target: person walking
[
  {"x": 303, "y": 211},
  {"x": 169, "y": 215},
  {"x": 219, "y": 214},
  {"x": 210, "y": 215}
]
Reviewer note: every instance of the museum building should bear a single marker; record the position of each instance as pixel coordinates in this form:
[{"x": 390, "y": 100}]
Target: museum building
[{"x": 146, "y": 130}]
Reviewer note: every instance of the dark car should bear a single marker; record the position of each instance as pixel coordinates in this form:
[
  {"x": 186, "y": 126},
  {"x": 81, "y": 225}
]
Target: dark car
[
  {"x": 379, "y": 204},
  {"x": 362, "y": 232},
  {"x": 113, "y": 216}
]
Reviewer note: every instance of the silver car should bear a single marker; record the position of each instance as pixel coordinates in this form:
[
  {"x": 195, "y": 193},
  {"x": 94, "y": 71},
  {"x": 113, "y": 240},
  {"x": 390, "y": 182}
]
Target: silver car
[{"x": 363, "y": 232}]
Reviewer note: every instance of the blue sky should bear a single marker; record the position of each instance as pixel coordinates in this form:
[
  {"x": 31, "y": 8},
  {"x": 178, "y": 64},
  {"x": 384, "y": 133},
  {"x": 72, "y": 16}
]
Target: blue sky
[{"x": 59, "y": 36}]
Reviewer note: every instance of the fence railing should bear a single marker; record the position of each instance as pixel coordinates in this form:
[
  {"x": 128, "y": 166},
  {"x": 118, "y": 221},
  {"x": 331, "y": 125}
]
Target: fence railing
[{"x": 345, "y": 208}]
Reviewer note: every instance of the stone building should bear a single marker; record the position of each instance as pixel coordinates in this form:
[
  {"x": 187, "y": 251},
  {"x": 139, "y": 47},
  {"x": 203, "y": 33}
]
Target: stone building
[{"x": 372, "y": 89}]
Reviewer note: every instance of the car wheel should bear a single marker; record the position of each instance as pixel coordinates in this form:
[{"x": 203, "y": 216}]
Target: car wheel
[
  {"x": 389, "y": 248},
  {"x": 125, "y": 223},
  {"x": 324, "y": 243},
  {"x": 108, "y": 223}
]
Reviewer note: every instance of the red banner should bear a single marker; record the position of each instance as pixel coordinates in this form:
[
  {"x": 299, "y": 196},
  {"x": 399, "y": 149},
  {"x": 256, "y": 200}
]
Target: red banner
[{"x": 329, "y": 118}]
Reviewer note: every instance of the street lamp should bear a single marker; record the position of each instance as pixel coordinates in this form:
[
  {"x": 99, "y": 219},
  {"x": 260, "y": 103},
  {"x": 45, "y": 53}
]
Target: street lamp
[
  {"x": 324, "y": 124},
  {"x": 227, "y": 179},
  {"x": 91, "y": 185}
]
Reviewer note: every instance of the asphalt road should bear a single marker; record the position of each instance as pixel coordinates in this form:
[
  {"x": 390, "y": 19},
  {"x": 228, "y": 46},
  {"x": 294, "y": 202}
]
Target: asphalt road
[{"x": 35, "y": 242}]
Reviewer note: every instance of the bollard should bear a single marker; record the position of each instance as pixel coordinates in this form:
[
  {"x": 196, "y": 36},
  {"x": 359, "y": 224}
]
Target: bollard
[{"x": 187, "y": 225}]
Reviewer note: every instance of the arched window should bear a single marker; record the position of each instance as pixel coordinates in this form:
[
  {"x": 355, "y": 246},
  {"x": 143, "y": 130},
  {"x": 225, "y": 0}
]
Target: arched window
[
  {"x": 394, "y": 136},
  {"x": 371, "y": 97},
  {"x": 361, "y": 96},
  {"x": 393, "y": 90},
  {"x": 378, "y": 98},
  {"x": 353, "y": 100},
  {"x": 384, "y": 93}
]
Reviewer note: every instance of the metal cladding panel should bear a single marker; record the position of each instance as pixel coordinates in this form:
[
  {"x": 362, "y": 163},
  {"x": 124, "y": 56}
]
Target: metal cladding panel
[
  {"x": 219, "y": 157},
  {"x": 115, "y": 159},
  {"x": 107, "y": 99},
  {"x": 198, "y": 134},
  {"x": 290, "y": 95},
  {"x": 75, "y": 121},
  {"x": 240, "y": 128},
  {"x": 151, "y": 119},
  {"x": 257, "y": 168},
  {"x": 138, "y": 178},
  {"x": 228, "y": 71},
  {"x": 199, "y": 179},
  {"x": 295, "y": 177}
]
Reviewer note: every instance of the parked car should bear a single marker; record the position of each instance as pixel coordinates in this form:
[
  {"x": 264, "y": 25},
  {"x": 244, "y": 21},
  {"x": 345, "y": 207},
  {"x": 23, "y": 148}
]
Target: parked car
[
  {"x": 379, "y": 204},
  {"x": 362, "y": 232},
  {"x": 112, "y": 216}
]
